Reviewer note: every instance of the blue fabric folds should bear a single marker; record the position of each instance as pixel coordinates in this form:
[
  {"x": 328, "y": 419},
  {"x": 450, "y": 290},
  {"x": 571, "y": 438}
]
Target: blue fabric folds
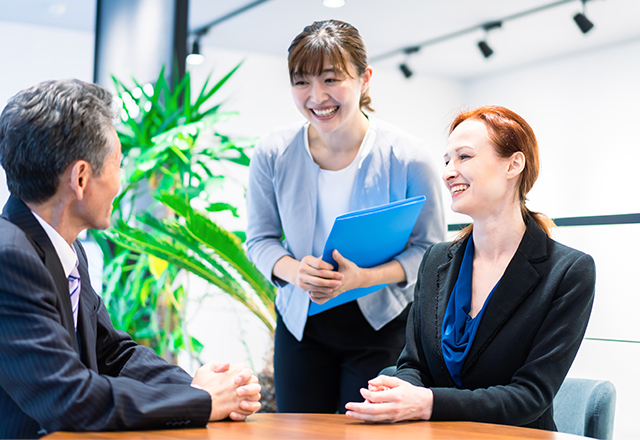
[{"x": 458, "y": 328}]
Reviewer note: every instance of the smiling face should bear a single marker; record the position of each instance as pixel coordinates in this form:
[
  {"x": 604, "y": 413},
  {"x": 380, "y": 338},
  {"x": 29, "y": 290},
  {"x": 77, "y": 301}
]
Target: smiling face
[
  {"x": 330, "y": 101},
  {"x": 481, "y": 183}
]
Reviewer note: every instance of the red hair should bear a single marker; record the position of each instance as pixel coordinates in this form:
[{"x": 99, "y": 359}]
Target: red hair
[{"x": 509, "y": 134}]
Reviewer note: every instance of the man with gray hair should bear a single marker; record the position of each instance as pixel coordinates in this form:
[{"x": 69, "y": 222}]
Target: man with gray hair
[{"x": 62, "y": 364}]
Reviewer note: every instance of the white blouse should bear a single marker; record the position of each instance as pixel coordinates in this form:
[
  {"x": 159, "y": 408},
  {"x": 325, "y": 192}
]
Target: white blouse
[{"x": 335, "y": 190}]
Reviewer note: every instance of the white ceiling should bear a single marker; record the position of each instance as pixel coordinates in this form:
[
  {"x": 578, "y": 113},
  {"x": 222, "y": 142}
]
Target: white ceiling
[{"x": 387, "y": 25}]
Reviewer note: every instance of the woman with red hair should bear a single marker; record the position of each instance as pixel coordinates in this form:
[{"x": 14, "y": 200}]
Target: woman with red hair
[{"x": 499, "y": 313}]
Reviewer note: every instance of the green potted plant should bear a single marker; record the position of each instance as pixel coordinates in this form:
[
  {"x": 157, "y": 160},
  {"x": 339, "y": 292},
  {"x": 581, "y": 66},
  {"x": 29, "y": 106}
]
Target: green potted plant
[{"x": 162, "y": 221}]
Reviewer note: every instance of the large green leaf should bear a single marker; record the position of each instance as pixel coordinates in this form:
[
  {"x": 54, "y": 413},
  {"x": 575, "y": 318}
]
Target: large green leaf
[
  {"x": 144, "y": 242},
  {"x": 164, "y": 149},
  {"x": 180, "y": 234},
  {"x": 226, "y": 244}
]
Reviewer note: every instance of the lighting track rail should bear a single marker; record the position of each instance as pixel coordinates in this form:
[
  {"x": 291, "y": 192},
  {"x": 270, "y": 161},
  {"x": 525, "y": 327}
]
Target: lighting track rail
[{"x": 480, "y": 27}]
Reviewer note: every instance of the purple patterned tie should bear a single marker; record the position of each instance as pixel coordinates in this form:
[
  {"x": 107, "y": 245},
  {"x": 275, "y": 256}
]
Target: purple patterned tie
[{"x": 74, "y": 291}]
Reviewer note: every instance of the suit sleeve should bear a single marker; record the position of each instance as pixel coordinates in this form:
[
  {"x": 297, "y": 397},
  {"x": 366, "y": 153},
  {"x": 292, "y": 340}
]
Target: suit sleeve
[
  {"x": 118, "y": 355},
  {"x": 43, "y": 374},
  {"x": 534, "y": 385},
  {"x": 412, "y": 365}
]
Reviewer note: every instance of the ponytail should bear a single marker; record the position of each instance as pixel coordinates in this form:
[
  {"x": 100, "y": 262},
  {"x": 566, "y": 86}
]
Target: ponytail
[{"x": 545, "y": 223}]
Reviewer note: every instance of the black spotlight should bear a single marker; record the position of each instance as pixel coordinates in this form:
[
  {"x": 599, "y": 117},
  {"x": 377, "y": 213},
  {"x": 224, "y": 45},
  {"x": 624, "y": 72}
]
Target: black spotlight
[
  {"x": 581, "y": 19},
  {"x": 485, "y": 49},
  {"x": 483, "y": 45},
  {"x": 406, "y": 71},
  {"x": 583, "y": 22}
]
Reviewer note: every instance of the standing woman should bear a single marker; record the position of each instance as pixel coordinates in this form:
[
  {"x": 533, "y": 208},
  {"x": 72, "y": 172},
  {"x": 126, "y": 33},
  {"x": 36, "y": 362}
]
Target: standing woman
[
  {"x": 500, "y": 313},
  {"x": 301, "y": 178}
]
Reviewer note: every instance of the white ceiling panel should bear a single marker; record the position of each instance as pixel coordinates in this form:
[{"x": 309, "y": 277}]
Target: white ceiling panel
[{"x": 387, "y": 25}]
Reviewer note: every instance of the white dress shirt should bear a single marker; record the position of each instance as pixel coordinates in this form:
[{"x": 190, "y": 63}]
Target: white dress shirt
[{"x": 66, "y": 253}]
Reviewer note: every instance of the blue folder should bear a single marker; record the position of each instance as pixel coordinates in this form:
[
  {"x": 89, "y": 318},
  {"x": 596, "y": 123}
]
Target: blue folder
[{"x": 369, "y": 237}]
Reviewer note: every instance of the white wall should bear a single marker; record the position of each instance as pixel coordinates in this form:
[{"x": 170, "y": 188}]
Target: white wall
[
  {"x": 30, "y": 54},
  {"x": 584, "y": 110}
]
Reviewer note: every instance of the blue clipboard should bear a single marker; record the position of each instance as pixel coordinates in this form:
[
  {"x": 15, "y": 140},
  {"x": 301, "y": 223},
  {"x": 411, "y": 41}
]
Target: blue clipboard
[{"x": 369, "y": 237}]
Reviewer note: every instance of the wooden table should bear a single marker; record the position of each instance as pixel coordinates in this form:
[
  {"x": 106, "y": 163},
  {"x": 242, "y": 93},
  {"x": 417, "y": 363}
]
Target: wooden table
[{"x": 328, "y": 426}]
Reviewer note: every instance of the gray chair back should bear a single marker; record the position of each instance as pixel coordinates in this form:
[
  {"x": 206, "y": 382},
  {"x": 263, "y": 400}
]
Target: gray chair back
[{"x": 585, "y": 407}]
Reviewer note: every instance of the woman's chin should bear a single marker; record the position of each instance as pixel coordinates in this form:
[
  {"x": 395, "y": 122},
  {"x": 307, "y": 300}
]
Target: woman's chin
[
  {"x": 459, "y": 209},
  {"x": 455, "y": 207}
]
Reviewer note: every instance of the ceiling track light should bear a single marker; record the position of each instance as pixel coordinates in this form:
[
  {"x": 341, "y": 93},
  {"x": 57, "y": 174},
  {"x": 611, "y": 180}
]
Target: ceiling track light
[
  {"x": 404, "y": 67},
  {"x": 406, "y": 71},
  {"x": 482, "y": 44},
  {"x": 581, "y": 19},
  {"x": 195, "y": 57},
  {"x": 485, "y": 49}
]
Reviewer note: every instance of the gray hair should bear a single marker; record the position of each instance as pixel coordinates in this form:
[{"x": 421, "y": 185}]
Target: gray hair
[{"x": 49, "y": 126}]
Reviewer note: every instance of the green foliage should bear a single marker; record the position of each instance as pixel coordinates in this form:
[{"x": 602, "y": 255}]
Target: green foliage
[
  {"x": 192, "y": 241},
  {"x": 172, "y": 157}
]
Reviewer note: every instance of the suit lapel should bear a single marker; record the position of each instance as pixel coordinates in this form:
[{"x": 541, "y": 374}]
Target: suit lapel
[
  {"x": 447, "y": 276},
  {"x": 519, "y": 280},
  {"x": 87, "y": 308},
  {"x": 20, "y": 215}
]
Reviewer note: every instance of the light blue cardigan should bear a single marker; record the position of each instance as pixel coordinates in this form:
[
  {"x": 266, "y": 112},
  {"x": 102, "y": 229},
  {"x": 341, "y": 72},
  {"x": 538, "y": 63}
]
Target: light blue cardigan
[{"x": 282, "y": 198}]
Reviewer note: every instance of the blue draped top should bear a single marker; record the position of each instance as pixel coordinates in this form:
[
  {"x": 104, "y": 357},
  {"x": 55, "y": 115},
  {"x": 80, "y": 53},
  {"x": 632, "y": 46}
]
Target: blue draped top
[{"x": 458, "y": 328}]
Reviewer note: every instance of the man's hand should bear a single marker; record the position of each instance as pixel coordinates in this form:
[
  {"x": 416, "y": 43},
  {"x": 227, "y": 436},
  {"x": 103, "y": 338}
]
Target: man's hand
[
  {"x": 390, "y": 399},
  {"x": 234, "y": 390}
]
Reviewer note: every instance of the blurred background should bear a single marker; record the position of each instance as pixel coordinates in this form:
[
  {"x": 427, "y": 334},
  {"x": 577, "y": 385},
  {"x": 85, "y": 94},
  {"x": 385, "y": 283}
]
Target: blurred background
[{"x": 577, "y": 86}]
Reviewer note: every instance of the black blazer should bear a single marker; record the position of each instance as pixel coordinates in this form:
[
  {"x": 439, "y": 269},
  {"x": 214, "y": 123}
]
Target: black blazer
[
  {"x": 528, "y": 337},
  {"x": 52, "y": 379}
]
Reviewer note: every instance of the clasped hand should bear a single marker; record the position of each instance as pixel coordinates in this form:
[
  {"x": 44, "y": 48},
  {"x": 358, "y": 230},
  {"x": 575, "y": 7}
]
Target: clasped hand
[
  {"x": 234, "y": 390},
  {"x": 389, "y": 399},
  {"x": 323, "y": 282}
]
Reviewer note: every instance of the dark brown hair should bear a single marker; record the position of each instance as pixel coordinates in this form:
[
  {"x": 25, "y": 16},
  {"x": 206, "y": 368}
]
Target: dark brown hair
[
  {"x": 509, "y": 134},
  {"x": 332, "y": 40}
]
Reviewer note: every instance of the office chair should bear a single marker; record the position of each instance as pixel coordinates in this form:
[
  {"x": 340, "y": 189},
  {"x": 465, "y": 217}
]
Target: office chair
[{"x": 585, "y": 407}]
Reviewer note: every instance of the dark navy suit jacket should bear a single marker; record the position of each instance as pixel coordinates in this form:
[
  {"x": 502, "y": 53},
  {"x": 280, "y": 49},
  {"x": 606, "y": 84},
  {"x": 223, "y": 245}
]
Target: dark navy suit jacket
[
  {"x": 526, "y": 341},
  {"x": 53, "y": 379}
]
